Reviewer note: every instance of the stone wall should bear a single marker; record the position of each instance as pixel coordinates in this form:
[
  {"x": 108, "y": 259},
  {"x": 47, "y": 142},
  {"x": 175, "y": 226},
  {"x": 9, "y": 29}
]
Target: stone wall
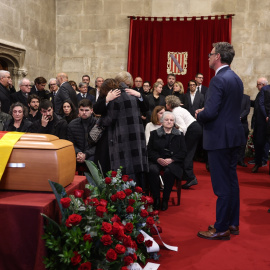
[
  {"x": 31, "y": 24},
  {"x": 91, "y": 36}
]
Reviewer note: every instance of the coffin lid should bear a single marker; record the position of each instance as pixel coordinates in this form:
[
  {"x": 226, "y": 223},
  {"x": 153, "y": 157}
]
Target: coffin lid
[{"x": 41, "y": 141}]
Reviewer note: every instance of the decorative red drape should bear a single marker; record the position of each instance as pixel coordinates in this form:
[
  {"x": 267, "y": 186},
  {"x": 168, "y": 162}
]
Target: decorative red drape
[{"x": 151, "y": 39}]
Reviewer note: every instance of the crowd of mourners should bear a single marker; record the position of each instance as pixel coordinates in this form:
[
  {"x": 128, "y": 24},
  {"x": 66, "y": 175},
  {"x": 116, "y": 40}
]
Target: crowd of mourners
[{"x": 149, "y": 130}]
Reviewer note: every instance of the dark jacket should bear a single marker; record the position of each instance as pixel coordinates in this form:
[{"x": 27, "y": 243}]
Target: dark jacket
[
  {"x": 153, "y": 104},
  {"x": 65, "y": 92},
  {"x": 198, "y": 102},
  {"x": 44, "y": 94},
  {"x": 24, "y": 127},
  {"x": 57, "y": 127},
  {"x": 88, "y": 96},
  {"x": 166, "y": 91},
  {"x": 5, "y": 99},
  {"x": 4, "y": 117},
  {"x": 19, "y": 97},
  {"x": 158, "y": 147},
  {"x": 77, "y": 135}
]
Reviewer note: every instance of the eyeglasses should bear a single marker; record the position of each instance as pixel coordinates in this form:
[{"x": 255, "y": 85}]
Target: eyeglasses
[
  {"x": 258, "y": 84},
  {"x": 209, "y": 55},
  {"x": 192, "y": 85},
  {"x": 27, "y": 85}
]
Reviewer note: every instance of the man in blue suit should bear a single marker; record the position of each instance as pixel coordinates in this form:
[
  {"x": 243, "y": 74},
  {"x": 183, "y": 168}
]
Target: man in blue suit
[{"x": 222, "y": 135}]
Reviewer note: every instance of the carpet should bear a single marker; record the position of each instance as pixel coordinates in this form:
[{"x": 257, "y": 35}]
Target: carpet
[{"x": 180, "y": 224}]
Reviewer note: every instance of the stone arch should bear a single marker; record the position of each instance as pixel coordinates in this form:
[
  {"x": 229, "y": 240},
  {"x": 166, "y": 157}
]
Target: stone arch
[{"x": 12, "y": 59}]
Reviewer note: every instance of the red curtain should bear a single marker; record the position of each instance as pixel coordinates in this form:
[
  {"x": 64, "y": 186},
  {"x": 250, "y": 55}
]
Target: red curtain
[{"x": 151, "y": 39}]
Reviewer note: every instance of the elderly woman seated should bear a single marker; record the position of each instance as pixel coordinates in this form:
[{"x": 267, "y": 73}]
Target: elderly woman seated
[{"x": 166, "y": 152}]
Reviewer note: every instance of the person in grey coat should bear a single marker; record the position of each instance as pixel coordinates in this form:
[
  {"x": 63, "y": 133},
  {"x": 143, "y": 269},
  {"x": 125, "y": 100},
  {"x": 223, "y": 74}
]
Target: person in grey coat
[{"x": 127, "y": 147}]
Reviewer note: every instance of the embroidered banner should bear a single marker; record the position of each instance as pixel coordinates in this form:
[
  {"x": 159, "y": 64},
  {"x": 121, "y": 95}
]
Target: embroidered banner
[
  {"x": 7, "y": 142},
  {"x": 177, "y": 63}
]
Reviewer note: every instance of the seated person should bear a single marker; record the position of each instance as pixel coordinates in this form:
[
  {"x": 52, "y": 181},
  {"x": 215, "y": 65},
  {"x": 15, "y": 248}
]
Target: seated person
[
  {"x": 50, "y": 122},
  {"x": 166, "y": 152},
  {"x": 68, "y": 111},
  {"x": 33, "y": 104},
  {"x": 4, "y": 117},
  {"x": 155, "y": 121},
  {"x": 18, "y": 122},
  {"x": 78, "y": 130}
]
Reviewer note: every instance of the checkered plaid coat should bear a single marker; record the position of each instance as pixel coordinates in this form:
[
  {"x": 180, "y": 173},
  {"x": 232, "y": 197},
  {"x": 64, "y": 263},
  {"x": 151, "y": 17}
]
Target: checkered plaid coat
[{"x": 126, "y": 135}]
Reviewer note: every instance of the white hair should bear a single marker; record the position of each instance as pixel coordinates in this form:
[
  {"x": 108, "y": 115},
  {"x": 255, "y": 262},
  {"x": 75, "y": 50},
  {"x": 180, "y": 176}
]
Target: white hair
[
  {"x": 3, "y": 73},
  {"x": 166, "y": 113},
  {"x": 22, "y": 80},
  {"x": 52, "y": 79}
]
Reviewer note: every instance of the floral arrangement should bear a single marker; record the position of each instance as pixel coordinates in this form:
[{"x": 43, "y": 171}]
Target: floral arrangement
[
  {"x": 100, "y": 227},
  {"x": 250, "y": 151}
]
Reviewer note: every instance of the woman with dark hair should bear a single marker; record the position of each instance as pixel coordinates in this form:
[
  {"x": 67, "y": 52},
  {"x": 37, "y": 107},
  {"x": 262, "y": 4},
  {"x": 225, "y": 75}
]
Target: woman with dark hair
[
  {"x": 166, "y": 152},
  {"x": 74, "y": 86},
  {"x": 155, "y": 121},
  {"x": 155, "y": 99},
  {"x": 108, "y": 92},
  {"x": 68, "y": 111},
  {"x": 18, "y": 122}
]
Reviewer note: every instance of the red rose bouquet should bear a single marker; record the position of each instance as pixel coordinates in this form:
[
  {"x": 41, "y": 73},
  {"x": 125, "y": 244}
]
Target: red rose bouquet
[{"x": 101, "y": 225}]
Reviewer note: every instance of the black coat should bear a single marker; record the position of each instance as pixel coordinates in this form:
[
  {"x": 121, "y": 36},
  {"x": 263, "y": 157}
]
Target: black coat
[
  {"x": 4, "y": 117},
  {"x": 166, "y": 91},
  {"x": 152, "y": 104},
  {"x": 76, "y": 134},
  {"x": 198, "y": 102},
  {"x": 24, "y": 127},
  {"x": 5, "y": 99},
  {"x": 44, "y": 94},
  {"x": 65, "y": 92},
  {"x": 177, "y": 149},
  {"x": 88, "y": 96},
  {"x": 19, "y": 97},
  {"x": 57, "y": 127}
]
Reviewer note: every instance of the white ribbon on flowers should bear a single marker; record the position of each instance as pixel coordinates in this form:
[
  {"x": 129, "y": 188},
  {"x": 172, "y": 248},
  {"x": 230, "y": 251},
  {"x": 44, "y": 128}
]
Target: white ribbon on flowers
[
  {"x": 154, "y": 247},
  {"x": 134, "y": 266},
  {"x": 147, "y": 237}
]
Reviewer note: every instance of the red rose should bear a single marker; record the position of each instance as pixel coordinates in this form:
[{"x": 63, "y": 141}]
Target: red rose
[
  {"x": 138, "y": 189},
  {"x": 111, "y": 255},
  {"x": 129, "y": 227},
  {"x": 128, "y": 260},
  {"x": 148, "y": 243},
  {"x": 155, "y": 212},
  {"x": 125, "y": 178},
  {"x": 108, "y": 180},
  {"x": 150, "y": 221},
  {"x": 120, "y": 249},
  {"x": 131, "y": 201},
  {"x": 100, "y": 210},
  {"x": 115, "y": 218},
  {"x": 73, "y": 220},
  {"x": 134, "y": 245},
  {"x": 154, "y": 231},
  {"x": 65, "y": 202},
  {"x": 121, "y": 195},
  {"x": 134, "y": 256},
  {"x": 106, "y": 227},
  {"x": 103, "y": 202},
  {"x": 106, "y": 240},
  {"x": 115, "y": 228},
  {"x": 85, "y": 266},
  {"x": 114, "y": 173},
  {"x": 120, "y": 234},
  {"x": 140, "y": 238},
  {"x": 149, "y": 200},
  {"x": 87, "y": 238},
  {"x": 114, "y": 197},
  {"x": 78, "y": 193},
  {"x": 127, "y": 242},
  {"x": 128, "y": 191},
  {"x": 130, "y": 209},
  {"x": 143, "y": 199},
  {"x": 144, "y": 213},
  {"x": 93, "y": 201},
  {"x": 76, "y": 258}
]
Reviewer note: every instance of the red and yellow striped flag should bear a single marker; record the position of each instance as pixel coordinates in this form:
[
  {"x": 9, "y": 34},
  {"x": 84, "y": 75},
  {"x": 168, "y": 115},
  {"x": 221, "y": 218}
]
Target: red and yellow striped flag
[{"x": 7, "y": 142}]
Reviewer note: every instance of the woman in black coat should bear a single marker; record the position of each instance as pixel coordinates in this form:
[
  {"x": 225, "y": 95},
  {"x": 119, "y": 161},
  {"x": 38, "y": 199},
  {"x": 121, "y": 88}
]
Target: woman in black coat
[
  {"x": 166, "y": 152},
  {"x": 18, "y": 122}
]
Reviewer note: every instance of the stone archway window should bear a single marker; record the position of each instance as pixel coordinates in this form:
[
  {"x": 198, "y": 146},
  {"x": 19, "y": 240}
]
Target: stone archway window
[{"x": 12, "y": 59}]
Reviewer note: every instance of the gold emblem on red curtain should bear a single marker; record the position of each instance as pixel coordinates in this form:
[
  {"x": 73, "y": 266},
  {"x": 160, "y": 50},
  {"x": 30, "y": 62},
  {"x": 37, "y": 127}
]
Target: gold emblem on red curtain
[{"x": 177, "y": 63}]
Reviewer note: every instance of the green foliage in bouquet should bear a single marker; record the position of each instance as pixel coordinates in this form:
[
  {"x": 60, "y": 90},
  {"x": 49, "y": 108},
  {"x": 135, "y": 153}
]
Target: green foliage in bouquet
[{"x": 100, "y": 227}]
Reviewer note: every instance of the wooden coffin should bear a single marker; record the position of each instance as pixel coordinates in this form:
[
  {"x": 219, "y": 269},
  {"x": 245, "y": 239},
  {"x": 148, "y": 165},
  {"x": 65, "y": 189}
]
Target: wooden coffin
[{"x": 37, "y": 158}]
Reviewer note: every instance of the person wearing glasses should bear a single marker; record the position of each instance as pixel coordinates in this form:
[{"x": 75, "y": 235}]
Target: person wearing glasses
[
  {"x": 22, "y": 95},
  {"x": 4, "y": 92},
  {"x": 199, "y": 79},
  {"x": 138, "y": 85},
  {"x": 223, "y": 134}
]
